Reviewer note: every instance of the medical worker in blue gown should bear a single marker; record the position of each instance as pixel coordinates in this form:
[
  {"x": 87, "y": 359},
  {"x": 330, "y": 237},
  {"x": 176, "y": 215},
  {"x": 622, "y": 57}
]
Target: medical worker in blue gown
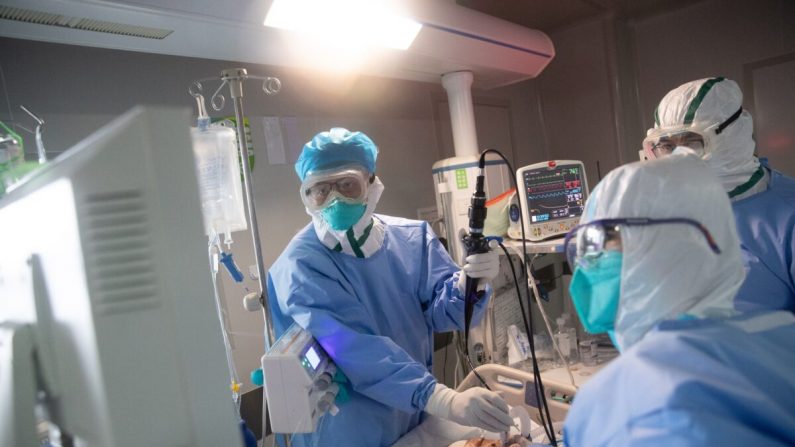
[
  {"x": 657, "y": 264},
  {"x": 372, "y": 289},
  {"x": 707, "y": 117}
]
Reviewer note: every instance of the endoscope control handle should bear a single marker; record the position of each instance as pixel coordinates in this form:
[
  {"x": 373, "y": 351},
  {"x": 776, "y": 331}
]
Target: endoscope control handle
[
  {"x": 474, "y": 241},
  {"x": 474, "y": 244}
]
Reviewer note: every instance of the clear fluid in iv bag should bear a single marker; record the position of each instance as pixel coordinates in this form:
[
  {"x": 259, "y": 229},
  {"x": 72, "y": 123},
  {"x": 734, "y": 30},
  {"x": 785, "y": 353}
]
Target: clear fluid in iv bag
[{"x": 220, "y": 187}]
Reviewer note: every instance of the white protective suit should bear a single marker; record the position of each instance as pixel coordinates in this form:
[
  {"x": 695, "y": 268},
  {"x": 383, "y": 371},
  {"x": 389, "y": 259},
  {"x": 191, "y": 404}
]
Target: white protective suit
[
  {"x": 702, "y": 105},
  {"x": 669, "y": 270},
  {"x": 691, "y": 372},
  {"x": 763, "y": 198}
]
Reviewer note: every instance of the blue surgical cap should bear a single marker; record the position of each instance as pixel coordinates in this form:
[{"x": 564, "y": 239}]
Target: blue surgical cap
[{"x": 337, "y": 147}]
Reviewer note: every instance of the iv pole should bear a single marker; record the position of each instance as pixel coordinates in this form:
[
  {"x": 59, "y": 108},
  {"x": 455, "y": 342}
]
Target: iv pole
[{"x": 235, "y": 77}]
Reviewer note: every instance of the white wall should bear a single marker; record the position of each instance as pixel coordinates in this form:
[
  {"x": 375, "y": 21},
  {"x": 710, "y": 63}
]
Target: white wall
[
  {"x": 595, "y": 100},
  {"x": 773, "y": 97},
  {"x": 750, "y": 42},
  {"x": 576, "y": 100},
  {"x": 708, "y": 39}
]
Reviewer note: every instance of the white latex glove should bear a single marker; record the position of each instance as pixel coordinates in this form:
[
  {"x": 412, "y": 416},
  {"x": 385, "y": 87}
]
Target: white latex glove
[
  {"x": 483, "y": 266},
  {"x": 475, "y": 407}
]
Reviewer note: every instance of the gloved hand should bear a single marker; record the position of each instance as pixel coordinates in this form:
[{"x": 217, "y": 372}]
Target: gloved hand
[
  {"x": 483, "y": 266},
  {"x": 475, "y": 407}
]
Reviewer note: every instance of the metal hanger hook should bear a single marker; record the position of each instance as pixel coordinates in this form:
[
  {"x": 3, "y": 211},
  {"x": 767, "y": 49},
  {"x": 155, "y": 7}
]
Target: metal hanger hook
[{"x": 271, "y": 85}]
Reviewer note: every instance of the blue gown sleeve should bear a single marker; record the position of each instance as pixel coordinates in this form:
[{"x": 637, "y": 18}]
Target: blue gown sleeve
[
  {"x": 375, "y": 365},
  {"x": 443, "y": 303},
  {"x": 789, "y": 257},
  {"x": 684, "y": 427}
]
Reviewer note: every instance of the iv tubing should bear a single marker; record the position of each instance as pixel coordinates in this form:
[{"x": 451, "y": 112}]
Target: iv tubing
[
  {"x": 213, "y": 243},
  {"x": 532, "y": 281}
]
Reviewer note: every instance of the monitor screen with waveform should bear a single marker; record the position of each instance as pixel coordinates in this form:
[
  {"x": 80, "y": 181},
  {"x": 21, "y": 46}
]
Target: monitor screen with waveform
[{"x": 554, "y": 193}]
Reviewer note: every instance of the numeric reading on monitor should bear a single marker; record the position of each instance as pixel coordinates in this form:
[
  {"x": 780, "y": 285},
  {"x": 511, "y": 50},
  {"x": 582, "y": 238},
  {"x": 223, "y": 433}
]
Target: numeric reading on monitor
[
  {"x": 552, "y": 196},
  {"x": 554, "y": 193}
]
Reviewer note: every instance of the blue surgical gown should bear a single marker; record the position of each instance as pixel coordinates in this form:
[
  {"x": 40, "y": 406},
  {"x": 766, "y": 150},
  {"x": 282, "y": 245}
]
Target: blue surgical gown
[
  {"x": 766, "y": 227},
  {"x": 375, "y": 317},
  {"x": 695, "y": 383}
]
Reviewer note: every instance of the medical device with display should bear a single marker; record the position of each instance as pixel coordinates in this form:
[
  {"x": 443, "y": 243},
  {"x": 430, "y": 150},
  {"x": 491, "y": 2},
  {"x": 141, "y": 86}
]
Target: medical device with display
[
  {"x": 551, "y": 197},
  {"x": 299, "y": 383},
  {"x": 108, "y": 328}
]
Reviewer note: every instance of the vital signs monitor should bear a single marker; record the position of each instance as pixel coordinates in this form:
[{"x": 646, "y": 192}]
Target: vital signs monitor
[{"x": 551, "y": 198}]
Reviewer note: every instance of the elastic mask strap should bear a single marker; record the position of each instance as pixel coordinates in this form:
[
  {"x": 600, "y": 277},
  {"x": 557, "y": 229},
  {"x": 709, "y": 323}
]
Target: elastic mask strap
[
  {"x": 749, "y": 184},
  {"x": 730, "y": 120}
]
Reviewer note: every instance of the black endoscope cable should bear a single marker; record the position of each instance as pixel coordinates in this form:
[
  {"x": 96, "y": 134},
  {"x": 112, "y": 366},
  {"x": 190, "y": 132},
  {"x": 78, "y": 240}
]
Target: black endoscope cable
[
  {"x": 538, "y": 384},
  {"x": 475, "y": 243},
  {"x": 528, "y": 329}
]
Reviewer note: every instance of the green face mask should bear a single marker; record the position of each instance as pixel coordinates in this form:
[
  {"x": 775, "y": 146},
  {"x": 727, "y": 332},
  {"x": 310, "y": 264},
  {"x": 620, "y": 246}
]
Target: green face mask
[
  {"x": 595, "y": 291},
  {"x": 341, "y": 215}
]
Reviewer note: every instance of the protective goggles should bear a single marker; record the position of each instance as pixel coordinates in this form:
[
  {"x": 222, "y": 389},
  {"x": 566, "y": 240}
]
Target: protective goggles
[
  {"x": 661, "y": 142},
  {"x": 585, "y": 243},
  {"x": 348, "y": 184}
]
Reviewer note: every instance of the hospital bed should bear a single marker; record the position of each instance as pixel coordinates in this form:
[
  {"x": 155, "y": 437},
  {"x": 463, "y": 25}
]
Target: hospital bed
[{"x": 515, "y": 385}]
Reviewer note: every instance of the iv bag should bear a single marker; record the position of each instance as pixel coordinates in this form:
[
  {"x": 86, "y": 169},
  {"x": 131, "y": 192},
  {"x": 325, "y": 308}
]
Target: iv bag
[{"x": 218, "y": 171}]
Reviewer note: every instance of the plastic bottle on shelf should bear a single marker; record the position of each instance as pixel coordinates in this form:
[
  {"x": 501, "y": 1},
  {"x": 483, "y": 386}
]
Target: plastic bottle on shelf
[
  {"x": 566, "y": 337},
  {"x": 572, "y": 331}
]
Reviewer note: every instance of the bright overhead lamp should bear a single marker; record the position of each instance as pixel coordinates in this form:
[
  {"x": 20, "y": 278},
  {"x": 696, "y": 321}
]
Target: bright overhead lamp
[{"x": 349, "y": 23}]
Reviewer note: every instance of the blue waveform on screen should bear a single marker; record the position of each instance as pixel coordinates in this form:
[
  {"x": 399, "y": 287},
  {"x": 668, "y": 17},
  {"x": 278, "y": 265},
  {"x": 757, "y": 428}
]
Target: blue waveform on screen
[{"x": 546, "y": 195}]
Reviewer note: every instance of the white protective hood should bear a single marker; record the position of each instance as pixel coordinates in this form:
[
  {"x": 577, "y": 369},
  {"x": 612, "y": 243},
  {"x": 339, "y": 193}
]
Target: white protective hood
[
  {"x": 669, "y": 270},
  {"x": 731, "y": 153}
]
